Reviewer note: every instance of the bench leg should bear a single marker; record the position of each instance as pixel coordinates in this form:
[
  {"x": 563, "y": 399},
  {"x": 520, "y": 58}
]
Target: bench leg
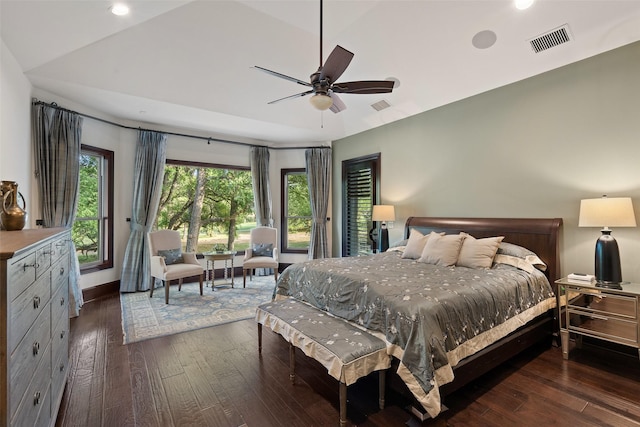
[
  {"x": 381, "y": 387},
  {"x": 259, "y": 337},
  {"x": 343, "y": 404},
  {"x": 292, "y": 363}
]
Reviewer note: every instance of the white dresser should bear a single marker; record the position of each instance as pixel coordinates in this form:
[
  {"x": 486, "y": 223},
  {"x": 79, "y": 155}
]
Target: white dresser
[{"x": 34, "y": 325}]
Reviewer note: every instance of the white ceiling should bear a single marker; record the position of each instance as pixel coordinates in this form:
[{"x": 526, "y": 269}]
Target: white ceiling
[{"x": 188, "y": 64}]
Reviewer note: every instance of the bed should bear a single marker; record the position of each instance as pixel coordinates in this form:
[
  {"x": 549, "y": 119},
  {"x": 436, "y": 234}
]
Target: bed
[{"x": 445, "y": 324}]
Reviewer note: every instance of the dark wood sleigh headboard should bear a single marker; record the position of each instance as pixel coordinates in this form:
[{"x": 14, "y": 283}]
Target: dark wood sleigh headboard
[{"x": 540, "y": 235}]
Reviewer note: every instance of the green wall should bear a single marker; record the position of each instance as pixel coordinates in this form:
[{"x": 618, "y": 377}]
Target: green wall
[{"x": 530, "y": 149}]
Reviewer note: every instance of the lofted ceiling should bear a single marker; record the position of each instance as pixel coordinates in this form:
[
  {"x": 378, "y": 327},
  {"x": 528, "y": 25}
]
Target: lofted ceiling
[{"x": 189, "y": 64}]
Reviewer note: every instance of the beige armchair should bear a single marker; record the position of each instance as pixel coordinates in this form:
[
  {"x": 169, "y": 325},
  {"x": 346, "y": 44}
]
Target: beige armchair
[
  {"x": 265, "y": 239},
  {"x": 168, "y": 262}
]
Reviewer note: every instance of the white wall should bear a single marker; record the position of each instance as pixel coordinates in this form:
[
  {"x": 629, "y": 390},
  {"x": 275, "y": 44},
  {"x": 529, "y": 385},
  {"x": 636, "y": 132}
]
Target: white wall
[
  {"x": 530, "y": 149},
  {"x": 15, "y": 126}
]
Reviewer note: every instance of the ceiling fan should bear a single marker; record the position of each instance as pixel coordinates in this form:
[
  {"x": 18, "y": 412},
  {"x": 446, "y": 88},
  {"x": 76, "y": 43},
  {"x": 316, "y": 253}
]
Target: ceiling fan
[{"x": 323, "y": 82}]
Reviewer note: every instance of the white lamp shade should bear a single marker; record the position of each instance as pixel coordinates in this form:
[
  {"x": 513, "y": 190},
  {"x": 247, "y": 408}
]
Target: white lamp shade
[
  {"x": 607, "y": 212},
  {"x": 383, "y": 213}
]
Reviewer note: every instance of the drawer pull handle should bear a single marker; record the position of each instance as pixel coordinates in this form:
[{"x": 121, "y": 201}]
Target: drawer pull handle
[
  {"x": 36, "y": 348},
  {"x": 36, "y": 302},
  {"x": 62, "y": 335},
  {"x": 61, "y": 367},
  {"x": 61, "y": 271},
  {"x": 34, "y": 265},
  {"x": 61, "y": 244},
  {"x": 36, "y": 398},
  {"x": 62, "y": 301}
]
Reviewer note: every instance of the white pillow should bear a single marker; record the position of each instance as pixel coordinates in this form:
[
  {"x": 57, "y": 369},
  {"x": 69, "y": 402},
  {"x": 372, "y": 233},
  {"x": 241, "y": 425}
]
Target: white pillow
[
  {"x": 478, "y": 253},
  {"x": 442, "y": 250},
  {"x": 415, "y": 244}
]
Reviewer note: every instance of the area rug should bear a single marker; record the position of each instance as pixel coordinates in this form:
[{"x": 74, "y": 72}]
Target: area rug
[{"x": 144, "y": 318}]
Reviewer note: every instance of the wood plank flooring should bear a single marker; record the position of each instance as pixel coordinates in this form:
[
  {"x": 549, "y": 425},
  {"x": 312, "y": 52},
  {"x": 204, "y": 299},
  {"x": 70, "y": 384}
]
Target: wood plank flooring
[{"x": 215, "y": 377}]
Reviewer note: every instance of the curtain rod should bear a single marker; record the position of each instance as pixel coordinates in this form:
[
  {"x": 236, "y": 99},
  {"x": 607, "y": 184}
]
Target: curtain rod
[{"x": 35, "y": 101}]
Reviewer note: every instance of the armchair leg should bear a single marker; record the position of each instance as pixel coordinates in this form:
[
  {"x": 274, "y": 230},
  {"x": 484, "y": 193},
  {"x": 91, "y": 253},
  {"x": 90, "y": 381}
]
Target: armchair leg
[
  {"x": 244, "y": 278},
  {"x": 166, "y": 291},
  {"x": 275, "y": 274},
  {"x": 180, "y": 284},
  {"x": 201, "y": 285},
  {"x": 153, "y": 285}
]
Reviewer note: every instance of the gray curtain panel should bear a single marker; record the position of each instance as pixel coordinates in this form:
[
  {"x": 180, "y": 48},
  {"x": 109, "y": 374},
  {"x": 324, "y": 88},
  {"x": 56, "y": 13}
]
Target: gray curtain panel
[
  {"x": 318, "y": 165},
  {"x": 151, "y": 154},
  {"x": 261, "y": 188},
  {"x": 261, "y": 192},
  {"x": 56, "y": 146}
]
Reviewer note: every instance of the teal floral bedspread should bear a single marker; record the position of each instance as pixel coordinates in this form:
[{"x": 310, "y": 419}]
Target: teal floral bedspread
[{"x": 430, "y": 316}]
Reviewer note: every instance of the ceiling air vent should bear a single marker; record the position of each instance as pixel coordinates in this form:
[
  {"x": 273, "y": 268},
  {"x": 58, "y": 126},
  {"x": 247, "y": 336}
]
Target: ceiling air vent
[
  {"x": 380, "y": 105},
  {"x": 551, "y": 39}
]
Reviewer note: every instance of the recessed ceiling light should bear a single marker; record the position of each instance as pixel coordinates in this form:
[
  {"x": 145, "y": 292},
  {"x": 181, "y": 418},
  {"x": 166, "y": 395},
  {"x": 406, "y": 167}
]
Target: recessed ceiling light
[
  {"x": 523, "y": 4},
  {"x": 120, "y": 9}
]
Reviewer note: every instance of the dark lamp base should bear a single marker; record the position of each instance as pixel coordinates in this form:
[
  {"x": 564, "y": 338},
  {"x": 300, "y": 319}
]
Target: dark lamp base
[{"x": 607, "y": 260}]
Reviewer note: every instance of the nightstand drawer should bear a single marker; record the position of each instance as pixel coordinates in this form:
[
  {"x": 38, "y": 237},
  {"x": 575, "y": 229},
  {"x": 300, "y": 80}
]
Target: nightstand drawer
[
  {"x": 612, "y": 328},
  {"x": 606, "y": 304}
]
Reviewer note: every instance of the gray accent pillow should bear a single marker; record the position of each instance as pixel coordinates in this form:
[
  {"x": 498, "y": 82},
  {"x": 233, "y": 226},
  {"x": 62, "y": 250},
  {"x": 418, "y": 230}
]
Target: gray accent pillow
[
  {"x": 172, "y": 256},
  {"x": 262, "y": 249},
  {"x": 518, "y": 251},
  {"x": 478, "y": 253},
  {"x": 442, "y": 250}
]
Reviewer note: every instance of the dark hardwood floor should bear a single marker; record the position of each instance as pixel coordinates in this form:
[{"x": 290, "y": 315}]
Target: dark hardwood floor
[{"x": 215, "y": 377}]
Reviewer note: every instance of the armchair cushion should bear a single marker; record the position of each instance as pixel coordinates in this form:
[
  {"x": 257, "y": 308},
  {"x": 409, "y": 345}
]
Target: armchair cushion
[
  {"x": 262, "y": 249},
  {"x": 171, "y": 256}
]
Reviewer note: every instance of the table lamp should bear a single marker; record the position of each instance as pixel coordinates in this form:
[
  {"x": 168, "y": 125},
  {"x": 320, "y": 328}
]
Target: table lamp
[
  {"x": 607, "y": 212},
  {"x": 382, "y": 214}
]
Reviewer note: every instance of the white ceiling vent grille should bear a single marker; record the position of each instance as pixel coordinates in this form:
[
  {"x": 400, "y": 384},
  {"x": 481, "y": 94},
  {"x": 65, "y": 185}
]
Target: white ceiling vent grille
[
  {"x": 551, "y": 39},
  {"x": 380, "y": 105}
]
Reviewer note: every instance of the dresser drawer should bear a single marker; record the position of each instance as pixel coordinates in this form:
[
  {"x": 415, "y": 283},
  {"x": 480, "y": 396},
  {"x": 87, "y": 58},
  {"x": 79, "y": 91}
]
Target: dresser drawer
[
  {"x": 26, "y": 308},
  {"x": 59, "y": 306},
  {"x": 60, "y": 248},
  {"x": 30, "y": 354},
  {"x": 608, "y": 327},
  {"x": 43, "y": 258},
  {"x": 20, "y": 275},
  {"x": 60, "y": 362},
  {"x": 60, "y": 273},
  {"x": 35, "y": 407},
  {"x": 60, "y": 335}
]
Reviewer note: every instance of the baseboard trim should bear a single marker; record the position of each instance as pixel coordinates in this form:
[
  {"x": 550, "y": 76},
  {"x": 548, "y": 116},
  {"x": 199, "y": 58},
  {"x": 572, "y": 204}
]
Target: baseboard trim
[{"x": 101, "y": 291}]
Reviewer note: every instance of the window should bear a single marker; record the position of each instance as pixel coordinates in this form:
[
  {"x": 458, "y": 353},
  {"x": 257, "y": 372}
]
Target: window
[
  {"x": 296, "y": 211},
  {"x": 211, "y": 205},
  {"x": 359, "y": 193},
  {"x": 92, "y": 231}
]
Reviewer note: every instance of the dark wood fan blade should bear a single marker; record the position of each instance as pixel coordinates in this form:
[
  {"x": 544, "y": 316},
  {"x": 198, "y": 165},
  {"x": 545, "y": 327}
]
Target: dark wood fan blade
[
  {"x": 297, "y": 95},
  {"x": 336, "y": 63},
  {"x": 338, "y": 105},
  {"x": 283, "y": 76},
  {"x": 364, "y": 86}
]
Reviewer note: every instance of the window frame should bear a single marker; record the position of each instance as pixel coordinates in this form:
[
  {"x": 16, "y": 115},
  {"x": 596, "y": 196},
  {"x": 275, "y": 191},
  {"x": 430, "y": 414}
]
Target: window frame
[
  {"x": 106, "y": 223},
  {"x": 283, "y": 211},
  {"x": 371, "y": 161},
  {"x": 174, "y": 162}
]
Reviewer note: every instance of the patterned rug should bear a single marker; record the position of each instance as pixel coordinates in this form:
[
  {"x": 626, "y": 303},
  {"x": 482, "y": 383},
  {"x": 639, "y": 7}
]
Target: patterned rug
[{"x": 144, "y": 318}]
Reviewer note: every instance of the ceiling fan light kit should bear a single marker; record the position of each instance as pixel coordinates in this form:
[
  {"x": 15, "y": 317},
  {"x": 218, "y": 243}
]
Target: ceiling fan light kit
[
  {"x": 323, "y": 83},
  {"x": 321, "y": 101}
]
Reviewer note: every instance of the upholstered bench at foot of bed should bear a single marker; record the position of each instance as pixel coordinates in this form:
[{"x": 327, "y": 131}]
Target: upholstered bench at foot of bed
[{"x": 347, "y": 352}]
